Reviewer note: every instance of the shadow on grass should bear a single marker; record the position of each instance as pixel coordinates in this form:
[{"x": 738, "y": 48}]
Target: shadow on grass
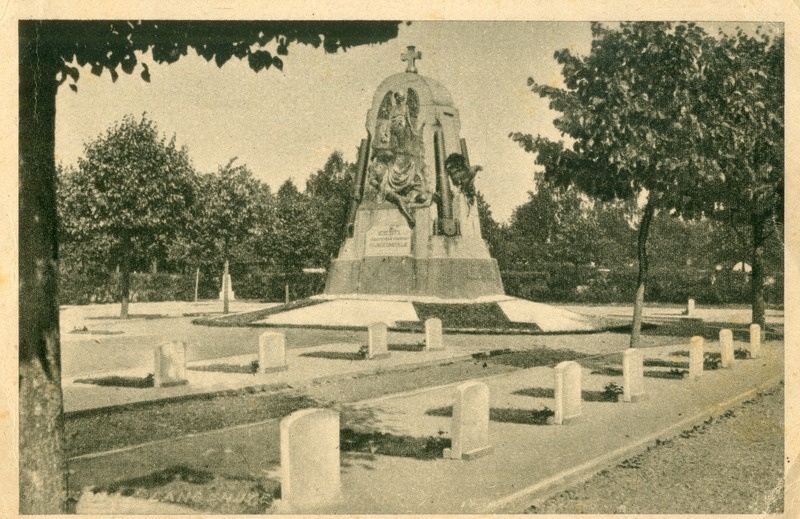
[
  {"x": 505, "y": 414},
  {"x": 661, "y": 363},
  {"x": 675, "y": 374},
  {"x": 586, "y": 395},
  {"x": 530, "y": 358},
  {"x": 407, "y": 347},
  {"x": 334, "y": 355},
  {"x": 607, "y": 371},
  {"x": 388, "y": 444},
  {"x": 200, "y": 490},
  {"x": 248, "y": 369},
  {"x": 115, "y": 381}
]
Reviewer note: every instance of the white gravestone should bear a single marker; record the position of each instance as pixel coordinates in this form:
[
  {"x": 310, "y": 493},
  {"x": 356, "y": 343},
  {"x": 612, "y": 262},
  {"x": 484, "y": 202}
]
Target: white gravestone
[
  {"x": 470, "y": 436},
  {"x": 690, "y": 307},
  {"x": 231, "y": 295},
  {"x": 169, "y": 366},
  {"x": 310, "y": 467},
  {"x": 377, "y": 341},
  {"x": 726, "y": 348},
  {"x": 567, "y": 392},
  {"x": 271, "y": 352},
  {"x": 433, "y": 335},
  {"x": 695, "y": 357},
  {"x": 755, "y": 341},
  {"x": 632, "y": 375}
]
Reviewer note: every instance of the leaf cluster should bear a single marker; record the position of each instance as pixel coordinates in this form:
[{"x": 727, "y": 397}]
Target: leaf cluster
[{"x": 115, "y": 45}]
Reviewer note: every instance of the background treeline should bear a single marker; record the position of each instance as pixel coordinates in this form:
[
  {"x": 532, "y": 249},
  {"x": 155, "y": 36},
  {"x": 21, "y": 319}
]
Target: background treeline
[{"x": 134, "y": 206}]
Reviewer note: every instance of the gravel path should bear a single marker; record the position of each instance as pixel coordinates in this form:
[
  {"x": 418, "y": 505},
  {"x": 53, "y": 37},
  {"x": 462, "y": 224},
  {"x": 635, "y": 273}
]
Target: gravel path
[{"x": 729, "y": 465}]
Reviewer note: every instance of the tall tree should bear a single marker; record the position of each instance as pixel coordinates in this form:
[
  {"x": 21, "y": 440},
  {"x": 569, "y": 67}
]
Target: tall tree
[
  {"x": 136, "y": 189},
  {"x": 632, "y": 111},
  {"x": 295, "y": 231},
  {"x": 228, "y": 211},
  {"x": 329, "y": 191},
  {"x": 747, "y": 143},
  {"x": 47, "y": 50}
]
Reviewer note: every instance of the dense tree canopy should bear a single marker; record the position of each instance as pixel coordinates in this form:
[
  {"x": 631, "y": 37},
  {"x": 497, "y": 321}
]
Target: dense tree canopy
[
  {"x": 635, "y": 111},
  {"x": 132, "y": 191}
]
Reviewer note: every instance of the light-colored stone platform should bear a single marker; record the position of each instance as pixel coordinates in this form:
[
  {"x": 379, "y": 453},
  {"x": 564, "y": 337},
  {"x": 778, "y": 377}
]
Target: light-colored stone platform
[{"x": 360, "y": 311}]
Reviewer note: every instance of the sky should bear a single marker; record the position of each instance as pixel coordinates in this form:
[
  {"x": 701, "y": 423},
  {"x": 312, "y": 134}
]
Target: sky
[{"x": 285, "y": 124}]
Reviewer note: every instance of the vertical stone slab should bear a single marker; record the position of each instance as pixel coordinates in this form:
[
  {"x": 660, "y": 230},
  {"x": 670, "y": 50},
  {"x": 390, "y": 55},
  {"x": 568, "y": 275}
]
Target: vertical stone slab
[
  {"x": 726, "y": 347},
  {"x": 632, "y": 375},
  {"x": 377, "y": 341},
  {"x": 755, "y": 341},
  {"x": 690, "y": 307},
  {"x": 226, "y": 281},
  {"x": 470, "y": 436},
  {"x": 695, "y": 357},
  {"x": 434, "y": 340},
  {"x": 567, "y": 392},
  {"x": 310, "y": 468},
  {"x": 271, "y": 352},
  {"x": 169, "y": 364}
]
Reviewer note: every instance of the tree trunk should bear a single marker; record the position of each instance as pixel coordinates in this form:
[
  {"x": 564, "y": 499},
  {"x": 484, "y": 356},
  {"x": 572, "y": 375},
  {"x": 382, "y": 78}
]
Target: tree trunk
[
  {"x": 125, "y": 281},
  {"x": 641, "y": 249},
  {"x": 42, "y": 464},
  {"x": 196, "y": 283},
  {"x": 225, "y": 288},
  {"x": 757, "y": 272}
]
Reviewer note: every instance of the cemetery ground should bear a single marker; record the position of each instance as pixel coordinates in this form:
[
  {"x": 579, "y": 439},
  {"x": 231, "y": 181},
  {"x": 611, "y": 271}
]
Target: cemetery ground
[{"x": 212, "y": 445}]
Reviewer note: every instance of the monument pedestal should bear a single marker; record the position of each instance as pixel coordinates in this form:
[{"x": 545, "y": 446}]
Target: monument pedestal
[{"x": 386, "y": 257}]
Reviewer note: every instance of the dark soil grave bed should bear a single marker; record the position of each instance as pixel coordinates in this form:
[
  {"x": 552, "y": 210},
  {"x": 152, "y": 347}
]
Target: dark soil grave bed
[
  {"x": 505, "y": 415},
  {"x": 249, "y": 318},
  {"x": 248, "y": 369},
  {"x": 199, "y": 490}
]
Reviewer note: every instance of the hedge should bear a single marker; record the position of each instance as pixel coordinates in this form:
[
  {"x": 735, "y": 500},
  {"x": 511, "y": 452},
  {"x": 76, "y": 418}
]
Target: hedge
[{"x": 549, "y": 283}]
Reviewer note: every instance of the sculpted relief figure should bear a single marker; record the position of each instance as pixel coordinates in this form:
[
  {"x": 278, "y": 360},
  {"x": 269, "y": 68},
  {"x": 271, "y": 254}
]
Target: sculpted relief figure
[
  {"x": 397, "y": 170},
  {"x": 462, "y": 175}
]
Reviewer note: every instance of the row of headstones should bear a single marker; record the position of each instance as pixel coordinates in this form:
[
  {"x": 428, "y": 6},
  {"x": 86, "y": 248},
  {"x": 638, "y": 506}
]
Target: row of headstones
[
  {"x": 170, "y": 358},
  {"x": 310, "y": 473}
]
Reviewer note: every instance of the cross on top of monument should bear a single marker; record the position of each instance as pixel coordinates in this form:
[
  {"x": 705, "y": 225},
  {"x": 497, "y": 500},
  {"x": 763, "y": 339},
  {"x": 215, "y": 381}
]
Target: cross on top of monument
[{"x": 410, "y": 56}]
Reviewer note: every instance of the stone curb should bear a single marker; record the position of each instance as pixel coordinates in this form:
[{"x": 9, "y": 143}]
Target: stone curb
[{"x": 551, "y": 486}]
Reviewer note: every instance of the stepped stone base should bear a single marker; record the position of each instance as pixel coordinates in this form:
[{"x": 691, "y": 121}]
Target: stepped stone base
[{"x": 457, "y": 278}]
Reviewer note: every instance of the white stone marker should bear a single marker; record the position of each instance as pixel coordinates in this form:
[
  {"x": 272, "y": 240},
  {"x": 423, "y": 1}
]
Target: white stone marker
[
  {"x": 690, "y": 307},
  {"x": 271, "y": 352},
  {"x": 231, "y": 295},
  {"x": 755, "y": 341},
  {"x": 695, "y": 357},
  {"x": 433, "y": 334},
  {"x": 378, "y": 341},
  {"x": 310, "y": 469},
  {"x": 632, "y": 375},
  {"x": 470, "y": 436},
  {"x": 169, "y": 366},
  {"x": 726, "y": 345},
  {"x": 567, "y": 392}
]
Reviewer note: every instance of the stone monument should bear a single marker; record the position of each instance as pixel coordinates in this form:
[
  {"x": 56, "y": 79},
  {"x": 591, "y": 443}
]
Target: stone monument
[
  {"x": 412, "y": 245},
  {"x": 413, "y": 225}
]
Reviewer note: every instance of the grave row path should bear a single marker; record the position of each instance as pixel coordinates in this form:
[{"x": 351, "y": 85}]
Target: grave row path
[{"x": 528, "y": 460}]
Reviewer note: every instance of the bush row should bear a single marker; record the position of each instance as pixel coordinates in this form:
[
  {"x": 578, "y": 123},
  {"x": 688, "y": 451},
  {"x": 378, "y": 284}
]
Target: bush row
[
  {"x": 565, "y": 283},
  {"x": 551, "y": 283}
]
